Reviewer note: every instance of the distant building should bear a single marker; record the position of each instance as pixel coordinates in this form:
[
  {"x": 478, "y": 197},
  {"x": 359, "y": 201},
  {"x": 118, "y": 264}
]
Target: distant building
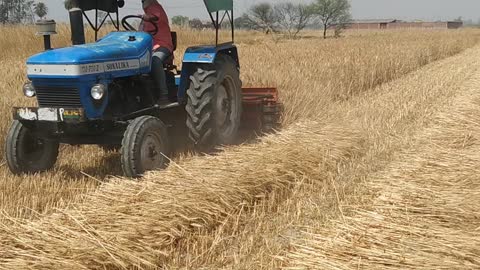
[
  {"x": 397, "y": 24},
  {"x": 370, "y": 24}
]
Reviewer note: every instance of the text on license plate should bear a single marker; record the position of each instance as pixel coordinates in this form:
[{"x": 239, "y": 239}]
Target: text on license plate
[{"x": 50, "y": 114}]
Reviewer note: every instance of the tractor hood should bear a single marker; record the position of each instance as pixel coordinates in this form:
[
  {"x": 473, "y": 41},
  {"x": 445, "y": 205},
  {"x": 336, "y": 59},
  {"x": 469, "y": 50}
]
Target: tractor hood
[{"x": 115, "y": 55}]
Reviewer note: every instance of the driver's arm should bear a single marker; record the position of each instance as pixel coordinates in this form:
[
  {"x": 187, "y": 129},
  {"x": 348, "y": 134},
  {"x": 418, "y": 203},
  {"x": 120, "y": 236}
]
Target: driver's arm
[
  {"x": 148, "y": 17},
  {"x": 158, "y": 17}
]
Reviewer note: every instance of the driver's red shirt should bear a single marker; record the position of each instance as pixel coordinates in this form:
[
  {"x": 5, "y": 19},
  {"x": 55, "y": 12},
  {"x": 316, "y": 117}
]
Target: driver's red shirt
[{"x": 164, "y": 37}]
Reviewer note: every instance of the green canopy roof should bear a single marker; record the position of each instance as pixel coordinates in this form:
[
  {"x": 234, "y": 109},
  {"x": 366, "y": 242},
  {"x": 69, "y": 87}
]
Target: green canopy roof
[
  {"x": 105, "y": 5},
  {"x": 218, "y": 5}
]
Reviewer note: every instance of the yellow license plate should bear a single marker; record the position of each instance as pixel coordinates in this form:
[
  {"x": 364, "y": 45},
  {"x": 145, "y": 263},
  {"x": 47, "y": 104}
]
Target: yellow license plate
[{"x": 70, "y": 114}]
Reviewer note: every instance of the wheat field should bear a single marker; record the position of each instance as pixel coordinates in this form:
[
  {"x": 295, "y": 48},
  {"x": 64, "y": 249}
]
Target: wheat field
[{"x": 374, "y": 168}]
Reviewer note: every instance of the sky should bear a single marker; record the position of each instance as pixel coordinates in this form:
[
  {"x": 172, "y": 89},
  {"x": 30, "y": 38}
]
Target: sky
[{"x": 427, "y": 10}]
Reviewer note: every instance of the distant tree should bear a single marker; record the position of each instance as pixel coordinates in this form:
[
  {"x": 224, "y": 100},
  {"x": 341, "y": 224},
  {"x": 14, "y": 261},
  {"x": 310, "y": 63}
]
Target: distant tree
[
  {"x": 196, "y": 24},
  {"x": 338, "y": 30},
  {"x": 16, "y": 11},
  {"x": 180, "y": 20},
  {"x": 263, "y": 17},
  {"x": 293, "y": 18},
  {"x": 459, "y": 19},
  {"x": 68, "y": 4},
  {"x": 244, "y": 22},
  {"x": 226, "y": 24},
  {"x": 332, "y": 13},
  {"x": 40, "y": 9}
]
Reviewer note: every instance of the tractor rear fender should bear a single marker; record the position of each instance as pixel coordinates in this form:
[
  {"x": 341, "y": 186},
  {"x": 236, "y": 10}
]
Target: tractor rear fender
[{"x": 202, "y": 55}]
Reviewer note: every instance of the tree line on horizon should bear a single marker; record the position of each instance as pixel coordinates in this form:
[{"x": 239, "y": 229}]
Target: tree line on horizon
[
  {"x": 281, "y": 17},
  {"x": 286, "y": 17},
  {"x": 21, "y": 11}
]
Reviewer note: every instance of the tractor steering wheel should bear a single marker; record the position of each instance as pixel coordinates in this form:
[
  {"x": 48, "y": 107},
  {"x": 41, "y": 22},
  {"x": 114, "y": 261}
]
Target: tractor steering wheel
[{"x": 129, "y": 27}]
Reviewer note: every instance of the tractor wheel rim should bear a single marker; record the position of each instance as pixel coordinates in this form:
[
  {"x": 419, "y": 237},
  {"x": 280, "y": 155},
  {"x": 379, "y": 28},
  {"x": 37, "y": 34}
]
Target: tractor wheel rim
[
  {"x": 150, "y": 152},
  {"x": 225, "y": 106},
  {"x": 222, "y": 107}
]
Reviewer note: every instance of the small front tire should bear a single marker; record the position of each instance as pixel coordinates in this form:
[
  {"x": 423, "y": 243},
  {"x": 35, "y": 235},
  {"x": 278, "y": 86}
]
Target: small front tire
[
  {"x": 145, "y": 146},
  {"x": 27, "y": 153}
]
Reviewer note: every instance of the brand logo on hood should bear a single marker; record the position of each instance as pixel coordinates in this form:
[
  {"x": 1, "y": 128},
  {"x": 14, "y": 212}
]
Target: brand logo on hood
[{"x": 205, "y": 56}]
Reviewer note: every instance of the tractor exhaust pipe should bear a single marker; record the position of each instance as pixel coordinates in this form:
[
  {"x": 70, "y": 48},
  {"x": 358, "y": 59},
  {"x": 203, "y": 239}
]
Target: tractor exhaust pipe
[{"x": 76, "y": 23}]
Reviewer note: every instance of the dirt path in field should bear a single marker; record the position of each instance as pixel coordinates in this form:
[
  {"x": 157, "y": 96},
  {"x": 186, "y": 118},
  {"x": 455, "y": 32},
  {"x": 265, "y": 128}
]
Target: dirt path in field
[{"x": 335, "y": 193}]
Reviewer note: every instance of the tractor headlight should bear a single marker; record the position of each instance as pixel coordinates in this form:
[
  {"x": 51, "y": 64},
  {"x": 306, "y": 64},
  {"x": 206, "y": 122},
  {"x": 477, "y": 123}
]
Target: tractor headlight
[
  {"x": 29, "y": 90},
  {"x": 98, "y": 91}
]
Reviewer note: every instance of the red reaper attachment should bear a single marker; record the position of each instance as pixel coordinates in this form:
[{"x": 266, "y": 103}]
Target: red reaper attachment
[{"x": 261, "y": 109}]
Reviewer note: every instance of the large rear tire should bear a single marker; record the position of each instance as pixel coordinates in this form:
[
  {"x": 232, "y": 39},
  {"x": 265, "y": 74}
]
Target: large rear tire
[
  {"x": 145, "y": 146},
  {"x": 214, "y": 105},
  {"x": 27, "y": 153}
]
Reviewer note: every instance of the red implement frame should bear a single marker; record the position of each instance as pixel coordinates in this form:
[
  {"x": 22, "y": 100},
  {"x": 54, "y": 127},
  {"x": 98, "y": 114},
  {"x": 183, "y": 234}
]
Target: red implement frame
[{"x": 261, "y": 109}]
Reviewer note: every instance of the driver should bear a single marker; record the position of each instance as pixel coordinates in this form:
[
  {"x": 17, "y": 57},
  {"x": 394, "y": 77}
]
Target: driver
[{"x": 162, "y": 43}]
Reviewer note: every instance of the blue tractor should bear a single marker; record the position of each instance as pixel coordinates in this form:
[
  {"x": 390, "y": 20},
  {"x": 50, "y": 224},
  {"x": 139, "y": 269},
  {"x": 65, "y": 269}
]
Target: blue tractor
[{"x": 102, "y": 93}]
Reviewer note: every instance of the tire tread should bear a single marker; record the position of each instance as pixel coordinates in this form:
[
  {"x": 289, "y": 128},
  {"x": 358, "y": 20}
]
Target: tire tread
[
  {"x": 131, "y": 141},
  {"x": 201, "y": 95}
]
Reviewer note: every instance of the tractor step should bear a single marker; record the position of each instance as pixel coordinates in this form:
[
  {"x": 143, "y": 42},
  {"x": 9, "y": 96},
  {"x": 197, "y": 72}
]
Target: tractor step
[{"x": 261, "y": 109}]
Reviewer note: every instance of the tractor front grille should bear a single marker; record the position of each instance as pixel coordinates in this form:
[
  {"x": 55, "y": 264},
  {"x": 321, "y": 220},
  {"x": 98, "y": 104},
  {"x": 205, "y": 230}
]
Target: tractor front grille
[{"x": 58, "y": 97}]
